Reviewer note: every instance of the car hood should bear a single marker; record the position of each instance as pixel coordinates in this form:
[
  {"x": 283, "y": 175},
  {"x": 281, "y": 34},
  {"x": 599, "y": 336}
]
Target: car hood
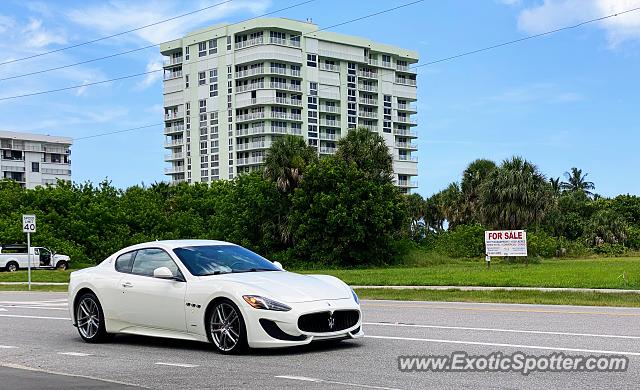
[{"x": 287, "y": 286}]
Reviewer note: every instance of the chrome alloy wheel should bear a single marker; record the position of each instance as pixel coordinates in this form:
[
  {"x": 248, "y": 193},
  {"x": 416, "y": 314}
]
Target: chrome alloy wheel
[
  {"x": 88, "y": 317},
  {"x": 225, "y": 327}
]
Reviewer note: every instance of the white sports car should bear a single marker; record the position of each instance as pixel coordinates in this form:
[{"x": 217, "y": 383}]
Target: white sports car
[{"x": 209, "y": 291}]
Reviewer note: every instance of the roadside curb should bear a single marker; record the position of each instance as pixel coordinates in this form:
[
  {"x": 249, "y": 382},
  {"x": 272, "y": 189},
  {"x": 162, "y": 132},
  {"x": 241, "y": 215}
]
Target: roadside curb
[
  {"x": 487, "y": 288},
  {"x": 34, "y": 283}
]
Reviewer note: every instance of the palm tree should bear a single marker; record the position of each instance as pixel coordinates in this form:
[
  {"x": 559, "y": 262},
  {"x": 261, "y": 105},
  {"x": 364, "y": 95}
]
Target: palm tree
[
  {"x": 556, "y": 186},
  {"x": 287, "y": 160},
  {"x": 369, "y": 151},
  {"x": 514, "y": 196},
  {"x": 472, "y": 177},
  {"x": 577, "y": 182},
  {"x": 416, "y": 207}
]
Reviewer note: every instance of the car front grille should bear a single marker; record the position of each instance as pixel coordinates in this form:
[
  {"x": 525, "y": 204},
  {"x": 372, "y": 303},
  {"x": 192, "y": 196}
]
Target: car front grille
[{"x": 326, "y": 321}]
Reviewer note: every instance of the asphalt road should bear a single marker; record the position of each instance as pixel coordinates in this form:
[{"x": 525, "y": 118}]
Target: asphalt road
[{"x": 39, "y": 349}]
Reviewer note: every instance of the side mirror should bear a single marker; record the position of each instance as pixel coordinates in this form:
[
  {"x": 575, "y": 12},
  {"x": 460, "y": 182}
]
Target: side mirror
[
  {"x": 277, "y": 264},
  {"x": 162, "y": 273}
]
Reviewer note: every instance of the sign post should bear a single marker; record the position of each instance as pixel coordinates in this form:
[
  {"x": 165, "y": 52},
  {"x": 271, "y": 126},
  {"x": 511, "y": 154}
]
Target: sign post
[
  {"x": 29, "y": 226},
  {"x": 505, "y": 243}
]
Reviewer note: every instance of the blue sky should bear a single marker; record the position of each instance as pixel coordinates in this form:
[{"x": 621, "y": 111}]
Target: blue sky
[{"x": 570, "y": 99}]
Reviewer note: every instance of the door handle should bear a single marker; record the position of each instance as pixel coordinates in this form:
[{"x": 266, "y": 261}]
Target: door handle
[{"x": 127, "y": 285}]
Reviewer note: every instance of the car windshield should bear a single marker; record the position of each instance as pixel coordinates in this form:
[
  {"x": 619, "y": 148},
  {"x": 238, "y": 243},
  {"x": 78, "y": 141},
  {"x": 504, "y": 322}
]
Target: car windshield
[{"x": 222, "y": 259}]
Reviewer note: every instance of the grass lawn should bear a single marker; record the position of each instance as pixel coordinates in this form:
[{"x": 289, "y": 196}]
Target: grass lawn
[
  {"x": 38, "y": 275},
  {"x": 535, "y": 297},
  {"x": 586, "y": 273},
  {"x": 24, "y": 287}
]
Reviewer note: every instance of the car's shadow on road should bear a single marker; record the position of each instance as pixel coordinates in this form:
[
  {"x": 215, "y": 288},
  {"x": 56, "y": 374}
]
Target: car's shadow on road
[{"x": 186, "y": 345}]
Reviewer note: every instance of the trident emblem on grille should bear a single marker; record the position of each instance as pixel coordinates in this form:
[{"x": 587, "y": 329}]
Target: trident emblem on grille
[{"x": 332, "y": 321}]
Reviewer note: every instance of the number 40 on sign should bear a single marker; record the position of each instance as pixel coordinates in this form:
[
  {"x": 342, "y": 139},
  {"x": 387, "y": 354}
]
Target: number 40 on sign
[{"x": 28, "y": 223}]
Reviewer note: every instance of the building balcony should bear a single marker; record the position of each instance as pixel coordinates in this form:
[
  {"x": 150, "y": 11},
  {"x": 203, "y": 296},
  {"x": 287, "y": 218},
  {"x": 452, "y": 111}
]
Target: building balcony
[
  {"x": 288, "y": 102},
  {"x": 254, "y": 145},
  {"x": 249, "y": 87},
  {"x": 386, "y": 64},
  {"x": 279, "y": 129},
  {"x": 402, "y": 81},
  {"x": 405, "y": 120},
  {"x": 272, "y": 40},
  {"x": 250, "y": 160},
  {"x": 369, "y": 127},
  {"x": 174, "y": 143},
  {"x": 406, "y": 107},
  {"x": 327, "y": 150},
  {"x": 407, "y": 145},
  {"x": 284, "y": 71},
  {"x": 55, "y": 171},
  {"x": 405, "y": 68},
  {"x": 250, "y": 72},
  {"x": 173, "y": 115},
  {"x": 406, "y": 133},
  {"x": 248, "y": 43},
  {"x": 174, "y": 170},
  {"x": 325, "y": 108},
  {"x": 328, "y": 136},
  {"x": 371, "y": 61},
  {"x": 172, "y": 75},
  {"x": 369, "y": 102},
  {"x": 285, "y": 86},
  {"x": 407, "y": 183},
  {"x": 12, "y": 168},
  {"x": 251, "y": 116},
  {"x": 174, "y": 156},
  {"x": 173, "y": 61},
  {"x": 251, "y": 131},
  {"x": 329, "y": 122},
  {"x": 176, "y": 128},
  {"x": 367, "y": 74},
  {"x": 368, "y": 88},
  {"x": 404, "y": 157},
  {"x": 329, "y": 67},
  {"x": 368, "y": 114},
  {"x": 285, "y": 115},
  {"x": 284, "y": 42}
]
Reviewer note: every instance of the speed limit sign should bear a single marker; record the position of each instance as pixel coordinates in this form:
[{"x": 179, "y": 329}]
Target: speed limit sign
[{"x": 28, "y": 223}]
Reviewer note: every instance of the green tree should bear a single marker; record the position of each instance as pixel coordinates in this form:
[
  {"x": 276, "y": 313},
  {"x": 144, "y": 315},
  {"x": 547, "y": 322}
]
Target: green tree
[
  {"x": 286, "y": 162},
  {"x": 514, "y": 196},
  {"x": 368, "y": 151},
  {"x": 556, "y": 186},
  {"x": 606, "y": 226},
  {"x": 577, "y": 182},
  {"x": 416, "y": 206},
  {"x": 472, "y": 178},
  {"x": 341, "y": 216}
]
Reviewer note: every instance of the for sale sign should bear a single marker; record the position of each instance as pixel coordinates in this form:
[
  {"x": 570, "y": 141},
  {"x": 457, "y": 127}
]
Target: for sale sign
[
  {"x": 28, "y": 223},
  {"x": 505, "y": 242}
]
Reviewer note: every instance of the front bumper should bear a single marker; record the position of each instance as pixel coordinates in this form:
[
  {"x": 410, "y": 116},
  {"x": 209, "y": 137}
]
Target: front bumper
[{"x": 287, "y": 322}]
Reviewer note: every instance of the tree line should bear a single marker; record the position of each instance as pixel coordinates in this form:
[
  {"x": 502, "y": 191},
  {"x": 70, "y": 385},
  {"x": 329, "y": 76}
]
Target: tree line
[
  {"x": 336, "y": 210},
  {"x": 562, "y": 216}
]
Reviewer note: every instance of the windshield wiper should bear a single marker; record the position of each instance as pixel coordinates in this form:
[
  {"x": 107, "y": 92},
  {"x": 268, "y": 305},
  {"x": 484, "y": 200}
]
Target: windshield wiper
[
  {"x": 252, "y": 270},
  {"x": 216, "y": 273}
]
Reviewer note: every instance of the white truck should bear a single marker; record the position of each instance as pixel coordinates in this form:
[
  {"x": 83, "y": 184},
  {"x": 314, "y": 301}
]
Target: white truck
[{"x": 14, "y": 257}]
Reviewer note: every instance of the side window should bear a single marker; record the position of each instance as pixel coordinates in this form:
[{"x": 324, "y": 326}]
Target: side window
[
  {"x": 36, "y": 251},
  {"x": 147, "y": 260},
  {"x": 124, "y": 261}
]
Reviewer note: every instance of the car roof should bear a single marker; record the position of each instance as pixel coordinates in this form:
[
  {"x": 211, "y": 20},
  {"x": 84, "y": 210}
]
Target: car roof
[{"x": 171, "y": 244}]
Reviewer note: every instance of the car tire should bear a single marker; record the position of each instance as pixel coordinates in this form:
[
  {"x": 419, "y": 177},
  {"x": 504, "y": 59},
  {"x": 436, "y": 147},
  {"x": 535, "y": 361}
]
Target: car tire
[
  {"x": 12, "y": 266},
  {"x": 62, "y": 265},
  {"x": 226, "y": 327},
  {"x": 89, "y": 319}
]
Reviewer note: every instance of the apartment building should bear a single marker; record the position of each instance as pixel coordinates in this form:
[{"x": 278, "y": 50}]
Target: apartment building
[
  {"x": 33, "y": 159},
  {"x": 231, "y": 89}
]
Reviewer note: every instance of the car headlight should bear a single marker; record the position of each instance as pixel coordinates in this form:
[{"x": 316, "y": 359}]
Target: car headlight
[
  {"x": 355, "y": 297},
  {"x": 258, "y": 302}
]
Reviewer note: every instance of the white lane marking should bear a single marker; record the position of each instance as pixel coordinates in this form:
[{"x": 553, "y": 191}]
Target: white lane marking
[
  {"x": 615, "y": 336},
  {"x": 177, "y": 364},
  {"x": 36, "y": 317},
  {"x": 3, "y": 309},
  {"x": 348, "y": 384},
  {"x": 7, "y": 346},
  {"x": 79, "y": 354},
  {"x": 504, "y": 345}
]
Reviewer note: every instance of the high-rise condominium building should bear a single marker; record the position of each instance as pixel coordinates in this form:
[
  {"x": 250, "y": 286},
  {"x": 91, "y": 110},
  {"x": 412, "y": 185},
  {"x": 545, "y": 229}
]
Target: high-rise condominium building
[
  {"x": 33, "y": 159},
  {"x": 231, "y": 89}
]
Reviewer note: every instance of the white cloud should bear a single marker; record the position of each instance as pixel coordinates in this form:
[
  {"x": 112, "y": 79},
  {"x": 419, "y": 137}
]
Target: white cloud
[
  {"x": 37, "y": 36},
  {"x": 150, "y": 79},
  {"x": 552, "y": 14},
  {"x": 117, "y": 16}
]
